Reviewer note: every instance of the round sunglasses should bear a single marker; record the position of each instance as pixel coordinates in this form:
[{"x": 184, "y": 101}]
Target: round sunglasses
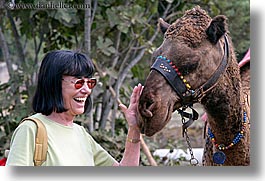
[{"x": 79, "y": 83}]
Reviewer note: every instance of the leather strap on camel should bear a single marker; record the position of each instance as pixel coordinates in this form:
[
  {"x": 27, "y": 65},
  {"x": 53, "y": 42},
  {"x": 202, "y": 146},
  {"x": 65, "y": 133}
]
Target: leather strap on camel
[{"x": 200, "y": 92}]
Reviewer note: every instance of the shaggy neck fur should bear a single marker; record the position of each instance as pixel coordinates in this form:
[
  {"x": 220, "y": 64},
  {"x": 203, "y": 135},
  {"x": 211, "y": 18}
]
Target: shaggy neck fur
[{"x": 225, "y": 106}]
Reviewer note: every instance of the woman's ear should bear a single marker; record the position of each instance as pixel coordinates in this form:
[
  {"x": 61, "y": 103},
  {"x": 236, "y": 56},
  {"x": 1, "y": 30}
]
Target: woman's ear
[{"x": 217, "y": 28}]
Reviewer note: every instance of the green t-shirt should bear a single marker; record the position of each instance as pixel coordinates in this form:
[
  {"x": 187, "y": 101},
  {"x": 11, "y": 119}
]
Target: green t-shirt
[{"x": 67, "y": 146}]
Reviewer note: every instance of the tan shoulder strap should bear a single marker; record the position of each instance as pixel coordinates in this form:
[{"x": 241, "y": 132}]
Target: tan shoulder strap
[{"x": 41, "y": 141}]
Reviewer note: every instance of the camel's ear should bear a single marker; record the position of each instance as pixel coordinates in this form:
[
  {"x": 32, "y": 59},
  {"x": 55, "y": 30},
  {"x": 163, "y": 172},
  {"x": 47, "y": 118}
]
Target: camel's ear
[
  {"x": 163, "y": 25},
  {"x": 217, "y": 28}
]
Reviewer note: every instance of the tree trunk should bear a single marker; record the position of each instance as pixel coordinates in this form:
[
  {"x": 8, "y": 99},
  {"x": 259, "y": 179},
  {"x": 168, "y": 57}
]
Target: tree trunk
[
  {"x": 18, "y": 44},
  {"x": 87, "y": 29},
  {"x": 87, "y": 50},
  {"x": 5, "y": 52}
]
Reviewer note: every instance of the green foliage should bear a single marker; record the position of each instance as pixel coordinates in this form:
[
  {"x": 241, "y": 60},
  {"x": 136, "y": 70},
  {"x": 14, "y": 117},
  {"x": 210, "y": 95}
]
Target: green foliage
[
  {"x": 105, "y": 46},
  {"x": 14, "y": 106},
  {"x": 137, "y": 71}
]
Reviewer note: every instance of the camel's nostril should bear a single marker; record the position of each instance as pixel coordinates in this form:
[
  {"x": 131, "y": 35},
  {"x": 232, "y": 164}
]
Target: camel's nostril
[
  {"x": 148, "y": 104},
  {"x": 147, "y": 113},
  {"x": 147, "y": 109}
]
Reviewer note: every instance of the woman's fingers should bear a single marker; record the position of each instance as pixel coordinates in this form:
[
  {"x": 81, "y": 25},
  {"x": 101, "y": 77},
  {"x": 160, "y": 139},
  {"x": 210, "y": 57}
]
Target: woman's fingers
[
  {"x": 130, "y": 112},
  {"x": 134, "y": 98},
  {"x": 139, "y": 91},
  {"x": 136, "y": 93}
]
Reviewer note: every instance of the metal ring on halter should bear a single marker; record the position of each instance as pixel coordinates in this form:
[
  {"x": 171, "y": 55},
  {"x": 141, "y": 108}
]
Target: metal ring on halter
[{"x": 194, "y": 162}]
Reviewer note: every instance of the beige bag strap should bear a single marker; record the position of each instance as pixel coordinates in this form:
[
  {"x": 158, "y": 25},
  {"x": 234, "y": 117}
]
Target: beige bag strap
[{"x": 41, "y": 141}]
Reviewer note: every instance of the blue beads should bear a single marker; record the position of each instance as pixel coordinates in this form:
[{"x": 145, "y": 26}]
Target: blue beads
[
  {"x": 236, "y": 139},
  {"x": 210, "y": 133},
  {"x": 245, "y": 117},
  {"x": 163, "y": 58}
]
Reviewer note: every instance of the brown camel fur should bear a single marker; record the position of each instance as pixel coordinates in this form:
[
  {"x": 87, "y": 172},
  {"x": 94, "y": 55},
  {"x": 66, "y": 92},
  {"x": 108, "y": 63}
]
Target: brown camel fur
[{"x": 194, "y": 43}]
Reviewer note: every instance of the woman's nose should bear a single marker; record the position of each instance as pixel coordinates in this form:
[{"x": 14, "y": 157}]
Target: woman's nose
[{"x": 85, "y": 89}]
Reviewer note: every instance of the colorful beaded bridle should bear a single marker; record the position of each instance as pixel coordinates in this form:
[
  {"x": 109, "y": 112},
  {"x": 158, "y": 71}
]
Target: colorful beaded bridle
[{"x": 189, "y": 96}]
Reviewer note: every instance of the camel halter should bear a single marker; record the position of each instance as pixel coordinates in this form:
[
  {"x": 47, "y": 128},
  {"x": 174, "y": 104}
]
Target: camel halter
[{"x": 187, "y": 95}]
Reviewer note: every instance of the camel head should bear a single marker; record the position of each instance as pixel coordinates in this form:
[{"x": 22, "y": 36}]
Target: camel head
[{"x": 194, "y": 47}]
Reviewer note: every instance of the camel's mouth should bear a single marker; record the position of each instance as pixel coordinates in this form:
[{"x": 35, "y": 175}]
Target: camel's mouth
[
  {"x": 156, "y": 104},
  {"x": 151, "y": 125}
]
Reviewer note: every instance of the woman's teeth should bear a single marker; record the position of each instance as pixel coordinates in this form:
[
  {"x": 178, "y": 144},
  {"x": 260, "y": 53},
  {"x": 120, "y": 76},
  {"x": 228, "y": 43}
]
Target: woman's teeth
[{"x": 80, "y": 99}]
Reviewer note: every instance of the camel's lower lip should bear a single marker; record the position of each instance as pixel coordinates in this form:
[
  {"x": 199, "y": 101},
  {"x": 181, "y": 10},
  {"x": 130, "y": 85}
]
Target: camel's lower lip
[
  {"x": 147, "y": 124},
  {"x": 147, "y": 131}
]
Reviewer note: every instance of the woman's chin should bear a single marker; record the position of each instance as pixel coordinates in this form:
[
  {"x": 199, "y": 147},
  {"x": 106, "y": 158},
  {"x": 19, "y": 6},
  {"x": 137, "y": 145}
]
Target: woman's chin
[
  {"x": 77, "y": 112},
  {"x": 80, "y": 112}
]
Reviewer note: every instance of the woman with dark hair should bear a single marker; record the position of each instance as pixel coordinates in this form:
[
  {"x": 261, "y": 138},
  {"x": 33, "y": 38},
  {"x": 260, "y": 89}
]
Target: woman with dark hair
[{"x": 64, "y": 86}]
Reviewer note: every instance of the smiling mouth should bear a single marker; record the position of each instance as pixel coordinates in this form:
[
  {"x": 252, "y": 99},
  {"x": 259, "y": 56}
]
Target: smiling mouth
[{"x": 80, "y": 99}]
